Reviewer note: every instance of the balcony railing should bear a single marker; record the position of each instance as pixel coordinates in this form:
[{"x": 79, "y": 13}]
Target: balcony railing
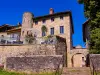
[{"x": 9, "y": 40}]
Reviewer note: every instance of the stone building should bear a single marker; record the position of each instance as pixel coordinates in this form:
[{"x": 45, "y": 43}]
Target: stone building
[
  {"x": 57, "y": 24},
  {"x": 9, "y": 33},
  {"x": 86, "y": 33}
]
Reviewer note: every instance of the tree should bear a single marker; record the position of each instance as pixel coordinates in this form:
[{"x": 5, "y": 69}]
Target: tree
[
  {"x": 92, "y": 12},
  {"x": 80, "y": 1}
]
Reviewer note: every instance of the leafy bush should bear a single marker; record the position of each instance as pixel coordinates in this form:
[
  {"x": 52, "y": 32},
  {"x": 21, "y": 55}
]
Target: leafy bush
[
  {"x": 29, "y": 38},
  {"x": 44, "y": 28}
]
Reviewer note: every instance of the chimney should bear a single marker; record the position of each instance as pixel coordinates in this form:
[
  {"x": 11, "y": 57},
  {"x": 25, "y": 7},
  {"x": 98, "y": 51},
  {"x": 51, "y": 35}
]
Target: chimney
[{"x": 51, "y": 11}]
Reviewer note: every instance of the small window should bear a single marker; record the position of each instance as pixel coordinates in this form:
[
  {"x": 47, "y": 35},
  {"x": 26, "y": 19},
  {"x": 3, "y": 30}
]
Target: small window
[
  {"x": 52, "y": 19},
  {"x": 61, "y": 29},
  {"x": 13, "y": 36},
  {"x": 83, "y": 59},
  {"x": 18, "y": 37},
  {"x": 43, "y": 34},
  {"x": 35, "y": 34},
  {"x": 44, "y": 21},
  {"x": 61, "y": 17},
  {"x": 52, "y": 31},
  {"x": 23, "y": 33},
  {"x": 2, "y": 36},
  {"x": 36, "y": 22}
]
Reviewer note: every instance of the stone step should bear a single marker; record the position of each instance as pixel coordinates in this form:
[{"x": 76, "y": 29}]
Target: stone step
[{"x": 76, "y": 71}]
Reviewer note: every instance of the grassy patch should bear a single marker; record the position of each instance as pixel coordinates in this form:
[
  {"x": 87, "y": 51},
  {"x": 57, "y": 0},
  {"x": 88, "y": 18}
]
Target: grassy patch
[
  {"x": 74, "y": 70},
  {"x": 98, "y": 73},
  {"x": 3, "y": 72}
]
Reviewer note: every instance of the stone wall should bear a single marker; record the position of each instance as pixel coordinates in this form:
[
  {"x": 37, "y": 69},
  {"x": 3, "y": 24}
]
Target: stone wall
[
  {"x": 83, "y": 51},
  {"x": 36, "y": 58},
  {"x": 61, "y": 50},
  {"x": 25, "y": 50},
  {"x": 36, "y": 63},
  {"x": 29, "y": 50},
  {"x": 95, "y": 61}
]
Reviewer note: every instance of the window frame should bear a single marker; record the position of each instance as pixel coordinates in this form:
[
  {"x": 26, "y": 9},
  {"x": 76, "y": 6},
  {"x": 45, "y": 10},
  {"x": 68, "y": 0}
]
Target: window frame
[
  {"x": 61, "y": 17},
  {"x": 36, "y": 22},
  {"x": 52, "y": 32},
  {"x": 61, "y": 29},
  {"x": 52, "y": 19},
  {"x": 44, "y": 21},
  {"x": 43, "y": 34}
]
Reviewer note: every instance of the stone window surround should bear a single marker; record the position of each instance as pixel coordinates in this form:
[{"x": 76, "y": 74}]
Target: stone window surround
[
  {"x": 61, "y": 17},
  {"x": 36, "y": 22},
  {"x": 61, "y": 28},
  {"x": 44, "y": 21},
  {"x": 52, "y": 31},
  {"x": 52, "y": 19}
]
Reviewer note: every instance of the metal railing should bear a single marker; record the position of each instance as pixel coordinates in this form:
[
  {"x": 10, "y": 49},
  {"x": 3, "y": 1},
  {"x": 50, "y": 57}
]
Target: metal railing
[{"x": 6, "y": 42}]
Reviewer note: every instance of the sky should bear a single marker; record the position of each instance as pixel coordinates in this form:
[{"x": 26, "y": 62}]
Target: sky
[{"x": 11, "y": 12}]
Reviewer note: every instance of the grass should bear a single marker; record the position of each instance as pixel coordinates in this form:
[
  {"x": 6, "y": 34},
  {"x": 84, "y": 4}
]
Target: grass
[
  {"x": 74, "y": 70},
  {"x": 3, "y": 72},
  {"x": 98, "y": 73}
]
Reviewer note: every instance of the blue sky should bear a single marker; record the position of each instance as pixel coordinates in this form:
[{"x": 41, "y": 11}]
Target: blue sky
[{"x": 11, "y": 12}]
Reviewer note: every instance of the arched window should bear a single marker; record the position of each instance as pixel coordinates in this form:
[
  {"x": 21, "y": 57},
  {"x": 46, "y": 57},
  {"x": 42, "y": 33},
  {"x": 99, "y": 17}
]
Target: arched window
[
  {"x": 23, "y": 33},
  {"x": 2, "y": 36},
  {"x": 43, "y": 34}
]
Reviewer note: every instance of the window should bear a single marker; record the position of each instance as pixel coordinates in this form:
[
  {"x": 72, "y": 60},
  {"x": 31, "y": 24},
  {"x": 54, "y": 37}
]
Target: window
[
  {"x": 61, "y": 29},
  {"x": 23, "y": 33},
  {"x": 52, "y": 31},
  {"x": 18, "y": 37},
  {"x": 83, "y": 59},
  {"x": 52, "y": 19},
  {"x": 12, "y": 36},
  {"x": 35, "y": 34},
  {"x": 36, "y": 22},
  {"x": 61, "y": 17},
  {"x": 43, "y": 34},
  {"x": 44, "y": 21},
  {"x": 2, "y": 36}
]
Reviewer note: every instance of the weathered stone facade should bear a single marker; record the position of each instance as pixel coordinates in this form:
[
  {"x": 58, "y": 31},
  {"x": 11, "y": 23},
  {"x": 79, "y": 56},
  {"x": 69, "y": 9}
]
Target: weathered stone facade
[
  {"x": 95, "y": 62},
  {"x": 10, "y": 54},
  {"x": 37, "y": 23},
  {"x": 28, "y": 50},
  {"x": 35, "y": 64},
  {"x": 27, "y": 24}
]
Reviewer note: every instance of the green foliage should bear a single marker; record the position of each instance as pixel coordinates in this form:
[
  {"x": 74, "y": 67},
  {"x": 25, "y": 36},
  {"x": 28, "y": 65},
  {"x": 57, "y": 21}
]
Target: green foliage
[
  {"x": 92, "y": 12},
  {"x": 29, "y": 38},
  {"x": 50, "y": 36},
  {"x": 44, "y": 28},
  {"x": 3, "y": 72},
  {"x": 80, "y": 1}
]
